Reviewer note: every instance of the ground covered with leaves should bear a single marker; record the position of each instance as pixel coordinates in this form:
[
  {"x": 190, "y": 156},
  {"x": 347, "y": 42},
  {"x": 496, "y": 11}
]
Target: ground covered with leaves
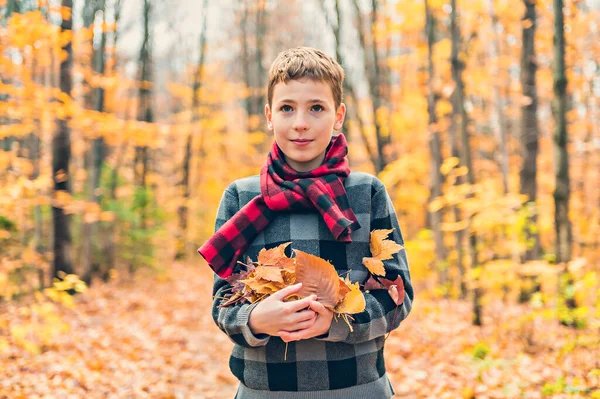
[{"x": 154, "y": 338}]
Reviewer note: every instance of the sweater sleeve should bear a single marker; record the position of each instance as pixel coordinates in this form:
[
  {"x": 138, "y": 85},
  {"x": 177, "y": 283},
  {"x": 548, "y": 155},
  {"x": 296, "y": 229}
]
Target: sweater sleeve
[
  {"x": 233, "y": 320},
  {"x": 381, "y": 315}
]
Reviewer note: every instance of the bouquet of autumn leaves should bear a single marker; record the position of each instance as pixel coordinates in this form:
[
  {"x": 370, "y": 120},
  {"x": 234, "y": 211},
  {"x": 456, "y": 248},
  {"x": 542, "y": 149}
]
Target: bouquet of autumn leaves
[{"x": 274, "y": 271}]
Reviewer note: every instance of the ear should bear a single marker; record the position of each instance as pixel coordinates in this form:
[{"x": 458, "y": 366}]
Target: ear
[
  {"x": 268, "y": 115},
  {"x": 340, "y": 115}
]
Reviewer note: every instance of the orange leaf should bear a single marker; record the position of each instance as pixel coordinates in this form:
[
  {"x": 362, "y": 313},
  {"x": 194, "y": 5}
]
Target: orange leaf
[
  {"x": 273, "y": 256},
  {"x": 317, "y": 277},
  {"x": 344, "y": 288},
  {"x": 269, "y": 273}
]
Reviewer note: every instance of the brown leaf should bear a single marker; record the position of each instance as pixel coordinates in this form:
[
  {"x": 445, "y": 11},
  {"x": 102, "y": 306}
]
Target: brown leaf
[
  {"x": 317, "y": 277},
  {"x": 372, "y": 284},
  {"x": 395, "y": 288},
  {"x": 235, "y": 298},
  {"x": 236, "y": 279}
]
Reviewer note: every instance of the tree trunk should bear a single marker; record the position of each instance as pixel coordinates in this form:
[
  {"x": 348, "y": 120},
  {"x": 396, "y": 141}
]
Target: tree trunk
[
  {"x": 459, "y": 109},
  {"x": 435, "y": 148},
  {"x": 246, "y": 63},
  {"x": 182, "y": 249},
  {"x": 259, "y": 89},
  {"x": 350, "y": 96},
  {"x": 375, "y": 84},
  {"x": 455, "y": 152},
  {"x": 96, "y": 159},
  {"x": 110, "y": 243},
  {"x": 562, "y": 190},
  {"x": 500, "y": 126},
  {"x": 144, "y": 109},
  {"x": 61, "y": 155},
  {"x": 529, "y": 127},
  {"x": 371, "y": 71}
]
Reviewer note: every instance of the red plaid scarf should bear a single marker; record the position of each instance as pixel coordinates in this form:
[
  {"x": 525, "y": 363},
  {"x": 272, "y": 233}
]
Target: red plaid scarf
[{"x": 284, "y": 189}]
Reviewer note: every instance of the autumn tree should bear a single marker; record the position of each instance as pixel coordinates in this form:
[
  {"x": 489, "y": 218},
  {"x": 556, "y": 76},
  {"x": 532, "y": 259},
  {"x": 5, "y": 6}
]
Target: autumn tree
[
  {"x": 61, "y": 154},
  {"x": 95, "y": 12},
  {"x": 562, "y": 190},
  {"x": 374, "y": 71},
  {"x": 435, "y": 146},
  {"x": 529, "y": 129},
  {"x": 351, "y": 99},
  {"x": 459, "y": 110},
  {"x": 500, "y": 124},
  {"x": 145, "y": 111},
  {"x": 185, "y": 182},
  {"x": 253, "y": 25}
]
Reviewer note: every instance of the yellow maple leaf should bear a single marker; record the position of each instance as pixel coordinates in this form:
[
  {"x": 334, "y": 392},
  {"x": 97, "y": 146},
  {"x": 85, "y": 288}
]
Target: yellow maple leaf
[
  {"x": 381, "y": 249},
  {"x": 375, "y": 266},
  {"x": 353, "y": 302}
]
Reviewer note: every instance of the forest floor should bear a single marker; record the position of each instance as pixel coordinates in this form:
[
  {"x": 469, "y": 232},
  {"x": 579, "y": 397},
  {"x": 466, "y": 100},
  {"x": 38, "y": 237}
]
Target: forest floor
[{"x": 154, "y": 337}]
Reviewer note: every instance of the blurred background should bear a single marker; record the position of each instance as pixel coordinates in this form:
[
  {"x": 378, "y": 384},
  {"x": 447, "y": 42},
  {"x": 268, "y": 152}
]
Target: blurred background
[{"x": 122, "y": 121}]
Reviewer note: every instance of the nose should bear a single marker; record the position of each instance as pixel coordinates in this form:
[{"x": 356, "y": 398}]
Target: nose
[{"x": 300, "y": 122}]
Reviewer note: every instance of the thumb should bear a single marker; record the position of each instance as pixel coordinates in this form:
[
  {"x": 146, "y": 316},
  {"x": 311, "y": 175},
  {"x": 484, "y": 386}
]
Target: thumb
[{"x": 289, "y": 290}]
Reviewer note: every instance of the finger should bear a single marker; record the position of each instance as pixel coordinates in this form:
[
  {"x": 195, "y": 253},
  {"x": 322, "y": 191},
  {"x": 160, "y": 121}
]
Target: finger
[
  {"x": 285, "y": 337},
  {"x": 289, "y": 290},
  {"x": 317, "y": 307},
  {"x": 301, "y": 304},
  {"x": 302, "y": 316},
  {"x": 288, "y": 336},
  {"x": 303, "y": 325}
]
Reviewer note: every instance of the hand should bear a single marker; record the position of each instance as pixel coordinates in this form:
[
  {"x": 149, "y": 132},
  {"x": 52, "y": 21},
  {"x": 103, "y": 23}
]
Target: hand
[
  {"x": 319, "y": 327},
  {"x": 273, "y": 314}
]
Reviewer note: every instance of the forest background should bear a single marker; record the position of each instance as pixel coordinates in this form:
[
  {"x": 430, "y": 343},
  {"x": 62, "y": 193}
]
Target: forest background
[{"x": 122, "y": 121}]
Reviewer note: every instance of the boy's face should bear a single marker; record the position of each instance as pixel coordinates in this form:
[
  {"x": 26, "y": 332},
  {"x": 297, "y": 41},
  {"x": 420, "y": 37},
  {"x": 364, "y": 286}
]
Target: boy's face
[{"x": 303, "y": 117}]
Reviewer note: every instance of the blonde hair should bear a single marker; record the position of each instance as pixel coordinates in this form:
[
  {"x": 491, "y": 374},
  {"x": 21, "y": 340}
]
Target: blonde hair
[{"x": 306, "y": 62}]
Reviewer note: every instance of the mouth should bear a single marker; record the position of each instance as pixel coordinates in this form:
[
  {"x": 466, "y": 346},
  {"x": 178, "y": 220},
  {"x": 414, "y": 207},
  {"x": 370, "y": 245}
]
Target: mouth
[{"x": 301, "y": 142}]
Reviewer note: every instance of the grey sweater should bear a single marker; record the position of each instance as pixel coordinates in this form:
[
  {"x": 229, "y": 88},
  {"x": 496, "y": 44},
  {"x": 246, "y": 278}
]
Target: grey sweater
[{"x": 340, "y": 364}]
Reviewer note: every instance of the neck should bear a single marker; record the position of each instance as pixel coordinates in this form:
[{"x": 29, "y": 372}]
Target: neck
[{"x": 305, "y": 167}]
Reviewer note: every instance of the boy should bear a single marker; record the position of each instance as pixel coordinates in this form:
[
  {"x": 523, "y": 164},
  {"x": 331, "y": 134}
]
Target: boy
[{"x": 306, "y": 194}]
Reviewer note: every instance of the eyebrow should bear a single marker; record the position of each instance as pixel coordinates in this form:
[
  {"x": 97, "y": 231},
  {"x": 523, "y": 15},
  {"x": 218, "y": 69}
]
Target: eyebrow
[{"x": 312, "y": 101}]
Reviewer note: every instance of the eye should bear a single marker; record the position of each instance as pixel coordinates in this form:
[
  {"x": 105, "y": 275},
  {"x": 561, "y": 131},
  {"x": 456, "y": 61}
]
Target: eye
[
  {"x": 317, "y": 107},
  {"x": 286, "y": 108}
]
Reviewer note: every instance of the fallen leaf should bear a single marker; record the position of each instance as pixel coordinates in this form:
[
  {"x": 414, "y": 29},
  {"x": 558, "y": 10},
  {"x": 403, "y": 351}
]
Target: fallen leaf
[
  {"x": 317, "y": 277},
  {"x": 353, "y": 302},
  {"x": 269, "y": 273},
  {"x": 395, "y": 288},
  {"x": 273, "y": 256},
  {"x": 375, "y": 266},
  {"x": 381, "y": 249}
]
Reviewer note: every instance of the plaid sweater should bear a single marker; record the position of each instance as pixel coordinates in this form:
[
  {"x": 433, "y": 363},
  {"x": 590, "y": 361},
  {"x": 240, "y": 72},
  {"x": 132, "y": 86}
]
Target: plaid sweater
[{"x": 340, "y": 364}]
